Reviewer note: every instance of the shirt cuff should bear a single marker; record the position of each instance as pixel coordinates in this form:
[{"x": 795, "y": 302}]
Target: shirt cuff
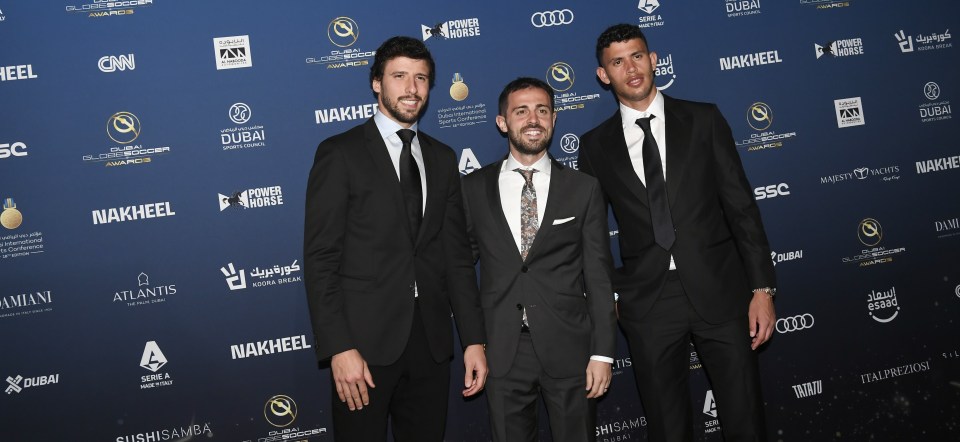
[{"x": 601, "y": 359}]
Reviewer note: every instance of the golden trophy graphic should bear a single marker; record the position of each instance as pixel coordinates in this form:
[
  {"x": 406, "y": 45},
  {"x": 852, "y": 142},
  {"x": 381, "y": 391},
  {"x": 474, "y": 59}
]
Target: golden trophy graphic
[
  {"x": 11, "y": 218},
  {"x": 459, "y": 89}
]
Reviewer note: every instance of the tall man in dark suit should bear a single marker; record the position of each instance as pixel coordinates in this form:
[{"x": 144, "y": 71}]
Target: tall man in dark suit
[
  {"x": 387, "y": 257},
  {"x": 545, "y": 277},
  {"x": 696, "y": 262}
]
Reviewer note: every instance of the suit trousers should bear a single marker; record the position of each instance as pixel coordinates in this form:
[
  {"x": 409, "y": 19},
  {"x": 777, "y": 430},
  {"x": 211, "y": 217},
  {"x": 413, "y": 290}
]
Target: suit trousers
[
  {"x": 513, "y": 401},
  {"x": 659, "y": 346},
  {"x": 411, "y": 392}
]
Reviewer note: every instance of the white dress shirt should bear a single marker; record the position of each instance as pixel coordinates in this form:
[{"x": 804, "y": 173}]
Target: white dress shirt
[
  {"x": 511, "y": 188},
  {"x": 633, "y": 135}
]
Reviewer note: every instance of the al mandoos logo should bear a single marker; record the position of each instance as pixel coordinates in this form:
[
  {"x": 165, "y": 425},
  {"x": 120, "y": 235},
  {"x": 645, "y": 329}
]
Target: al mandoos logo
[
  {"x": 452, "y": 29},
  {"x": 17, "y": 72},
  {"x": 16, "y": 384},
  {"x": 849, "y": 112},
  {"x": 132, "y": 213},
  {"x": 23, "y": 304},
  {"x": 232, "y": 52}
]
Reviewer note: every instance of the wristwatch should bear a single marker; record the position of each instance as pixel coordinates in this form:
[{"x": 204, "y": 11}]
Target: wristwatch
[{"x": 770, "y": 291}]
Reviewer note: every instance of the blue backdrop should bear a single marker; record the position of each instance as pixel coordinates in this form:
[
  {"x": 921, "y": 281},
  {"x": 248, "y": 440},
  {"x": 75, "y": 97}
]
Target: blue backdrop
[{"x": 154, "y": 156}]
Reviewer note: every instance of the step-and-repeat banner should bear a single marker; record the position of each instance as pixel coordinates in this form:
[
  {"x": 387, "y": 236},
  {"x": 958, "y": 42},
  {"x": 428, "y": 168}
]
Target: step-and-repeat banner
[{"x": 154, "y": 157}]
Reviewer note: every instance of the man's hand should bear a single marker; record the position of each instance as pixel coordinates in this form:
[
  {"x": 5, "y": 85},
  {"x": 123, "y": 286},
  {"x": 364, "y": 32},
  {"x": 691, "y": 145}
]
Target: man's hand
[
  {"x": 762, "y": 319},
  {"x": 599, "y": 375},
  {"x": 475, "y": 369},
  {"x": 351, "y": 376}
]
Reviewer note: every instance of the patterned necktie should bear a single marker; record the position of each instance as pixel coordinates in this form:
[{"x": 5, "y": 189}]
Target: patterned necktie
[
  {"x": 410, "y": 183},
  {"x": 663, "y": 232},
  {"x": 529, "y": 222}
]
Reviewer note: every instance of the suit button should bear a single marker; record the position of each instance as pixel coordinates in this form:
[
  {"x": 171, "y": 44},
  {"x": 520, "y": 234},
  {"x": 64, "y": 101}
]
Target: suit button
[
  {"x": 519, "y": 307},
  {"x": 524, "y": 269}
]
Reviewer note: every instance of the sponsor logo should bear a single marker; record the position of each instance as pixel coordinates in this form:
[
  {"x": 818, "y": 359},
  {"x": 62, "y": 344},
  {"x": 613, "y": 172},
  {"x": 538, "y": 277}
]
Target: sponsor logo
[
  {"x": 740, "y": 8},
  {"x": 840, "y": 48},
  {"x": 348, "y": 113},
  {"x": 153, "y": 360},
  {"x": 172, "y": 434},
  {"x": 870, "y": 233},
  {"x": 909, "y": 43},
  {"x": 750, "y": 60},
  {"x": 826, "y": 4},
  {"x": 15, "y": 149},
  {"x": 17, "y": 244},
  {"x": 18, "y": 72},
  {"x": 269, "y": 347},
  {"x": 452, "y": 29},
  {"x": 613, "y": 431},
  {"x": 561, "y": 77},
  {"x": 460, "y": 115},
  {"x": 26, "y": 304},
  {"x": 938, "y": 164},
  {"x": 794, "y": 323},
  {"x": 934, "y": 110},
  {"x": 468, "y": 161},
  {"x": 664, "y": 70},
  {"x": 343, "y": 32},
  {"x": 123, "y": 128},
  {"x": 694, "y": 358},
  {"x": 113, "y": 63},
  {"x": 957, "y": 291},
  {"x": 276, "y": 275},
  {"x": 132, "y": 213},
  {"x": 569, "y": 143},
  {"x": 948, "y": 227},
  {"x": 888, "y": 173},
  {"x": 281, "y": 412},
  {"x": 895, "y": 372},
  {"x": 651, "y": 19},
  {"x": 883, "y": 303},
  {"x": 232, "y": 52},
  {"x": 779, "y": 258},
  {"x": 760, "y": 119},
  {"x": 18, "y": 383},
  {"x": 109, "y": 8},
  {"x": 242, "y": 137},
  {"x": 808, "y": 389},
  {"x": 620, "y": 365},
  {"x": 771, "y": 191},
  {"x": 956, "y": 353},
  {"x": 2, "y": 17},
  {"x": 10, "y": 218},
  {"x": 252, "y": 198},
  {"x": 849, "y": 112},
  {"x": 551, "y": 18},
  {"x": 710, "y": 409},
  {"x": 145, "y": 293}
]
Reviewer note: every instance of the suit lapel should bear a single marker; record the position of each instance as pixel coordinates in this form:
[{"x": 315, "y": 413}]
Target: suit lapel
[
  {"x": 678, "y": 128},
  {"x": 492, "y": 179},
  {"x": 616, "y": 149},
  {"x": 431, "y": 211},
  {"x": 384, "y": 169},
  {"x": 557, "y": 188}
]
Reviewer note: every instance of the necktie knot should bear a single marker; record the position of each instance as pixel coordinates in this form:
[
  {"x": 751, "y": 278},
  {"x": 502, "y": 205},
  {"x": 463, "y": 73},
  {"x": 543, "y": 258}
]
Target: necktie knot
[
  {"x": 406, "y": 136},
  {"x": 644, "y": 123},
  {"x": 527, "y": 174}
]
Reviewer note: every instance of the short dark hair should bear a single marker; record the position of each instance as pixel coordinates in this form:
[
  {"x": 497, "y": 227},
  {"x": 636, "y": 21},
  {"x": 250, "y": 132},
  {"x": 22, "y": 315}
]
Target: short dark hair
[
  {"x": 400, "y": 46},
  {"x": 520, "y": 84},
  {"x": 618, "y": 33}
]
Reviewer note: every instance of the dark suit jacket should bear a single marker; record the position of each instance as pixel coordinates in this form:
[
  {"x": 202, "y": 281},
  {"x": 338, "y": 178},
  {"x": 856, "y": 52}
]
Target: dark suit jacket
[
  {"x": 721, "y": 250},
  {"x": 565, "y": 262},
  {"x": 359, "y": 262}
]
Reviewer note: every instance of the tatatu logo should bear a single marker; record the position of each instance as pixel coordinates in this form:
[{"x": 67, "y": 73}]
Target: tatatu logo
[
  {"x": 663, "y": 71},
  {"x": 252, "y": 198},
  {"x": 849, "y": 112},
  {"x": 452, "y": 29},
  {"x": 123, "y": 127},
  {"x": 882, "y": 305},
  {"x": 750, "y": 60},
  {"x": 560, "y": 76},
  {"x": 343, "y": 32},
  {"x": 113, "y": 63},
  {"x": 232, "y": 52},
  {"x": 740, "y": 8},
  {"x": 759, "y": 116},
  {"x": 11, "y": 218},
  {"x": 18, "y": 383},
  {"x": 468, "y": 161},
  {"x": 132, "y": 213},
  {"x": 459, "y": 90},
  {"x": 348, "y": 113},
  {"x": 870, "y": 232},
  {"x": 808, "y": 389},
  {"x": 280, "y": 411},
  {"x": 932, "y": 110},
  {"x": 152, "y": 358},
  {"x": 840, "y": 48}
]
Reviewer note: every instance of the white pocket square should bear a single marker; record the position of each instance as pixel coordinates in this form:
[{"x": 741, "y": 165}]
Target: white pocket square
[{"x": 563, "y": 220}]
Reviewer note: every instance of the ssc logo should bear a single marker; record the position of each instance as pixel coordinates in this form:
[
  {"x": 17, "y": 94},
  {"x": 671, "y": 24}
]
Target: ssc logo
[
  {"x": 795, "y": 323},
  {"x": 569, "y": 143},
  {"x": 343, "y": 31},
  {"x": 870, "y": 232},
  {"x": 560, "y": 76},
  {"x": 123, "y": 127},
  {"x": 760, "y": 116},
  {"x": 280, "y": 411},
  {"x": 240, "y": 113},
  {"x": 931, "y": 90},
  {"x": 551, "y": 18}
]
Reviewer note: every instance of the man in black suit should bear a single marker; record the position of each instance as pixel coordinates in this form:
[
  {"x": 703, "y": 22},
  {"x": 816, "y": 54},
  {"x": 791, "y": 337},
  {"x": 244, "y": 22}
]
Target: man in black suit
[
  {"x": 386, "y": 258},
  {"x": 545, "y": 277},
  {"x": 696, "y": 262}
]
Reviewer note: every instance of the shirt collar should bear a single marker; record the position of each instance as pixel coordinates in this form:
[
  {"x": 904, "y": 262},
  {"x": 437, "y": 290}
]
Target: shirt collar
[
  {"x": 388, "y": 127},
  {"x": 542, "y": 165},
  {"x": 629, "y": 115}
]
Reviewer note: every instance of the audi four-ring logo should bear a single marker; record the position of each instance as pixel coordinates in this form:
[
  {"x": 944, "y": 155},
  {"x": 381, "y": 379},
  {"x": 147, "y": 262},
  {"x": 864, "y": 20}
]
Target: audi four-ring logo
[
  {"x": 795, "y": 323},
  {"x": 551, "y": 18}
]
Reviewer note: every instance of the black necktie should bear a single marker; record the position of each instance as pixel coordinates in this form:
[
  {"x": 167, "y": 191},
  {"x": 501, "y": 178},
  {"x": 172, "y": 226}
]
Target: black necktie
[
  {"x": 663, "y": 232},
  {"x": 410, "y": 183}
]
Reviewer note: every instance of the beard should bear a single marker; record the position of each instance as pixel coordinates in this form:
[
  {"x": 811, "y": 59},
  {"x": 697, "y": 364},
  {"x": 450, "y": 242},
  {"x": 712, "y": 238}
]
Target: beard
[
  {"x": 393, "y": 108},
  {"x": 527, "y": 147}
]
